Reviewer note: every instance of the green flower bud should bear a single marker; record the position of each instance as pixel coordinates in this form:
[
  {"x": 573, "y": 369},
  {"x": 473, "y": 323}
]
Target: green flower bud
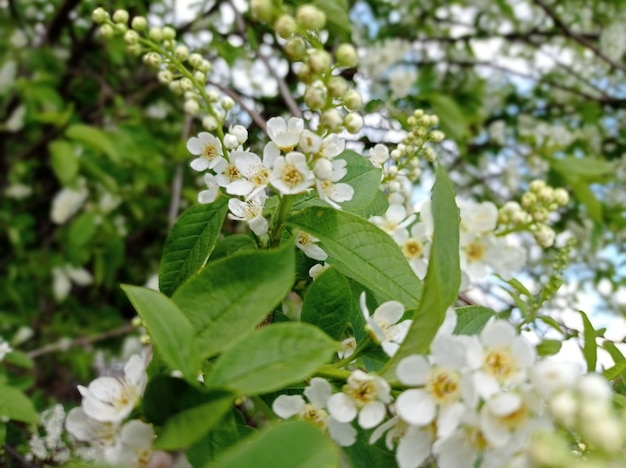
[
  {"x": 120, "y": 16},
  {"x": 295, "y": 49},
  {"x": 106, "y": 31},
  {"x": 139, "y": 23},
  {"x": 156, "y": 34},
  {"x": 99, "y": 15},
  {"x": 310, "y": 17},
  {"x": 285, "y": 26},
  {"x": 346, "y": 56}
]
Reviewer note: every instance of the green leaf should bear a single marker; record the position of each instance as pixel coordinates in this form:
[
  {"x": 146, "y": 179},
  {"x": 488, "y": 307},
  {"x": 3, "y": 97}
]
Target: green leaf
[
  {"x": 19, "y": 359},
  {"x": 364, "y": 179},
  {"x": 377, "y": 208},
  {"x": 63, "y": 161},
  {"x": 82, "y": 229},
  {"x": 472, "y": 319},
  {"x": 170, "y": 330},
  {"x": 615, "y": 371},
  {"x": 17, "y": 406},
  {"x": 586, "y": 168},
  {"x": 451, "y": 118},
  {"x": 618, "y": 359},
  {"x": 361, "y": 251},
  {"x": 166, "y": 396},
  {"x": 590, "y": 349},
  {"x": 336, "y": 13},
  {"x": 272, "y": 357},
  {"x": 549, "y": 347},
  {"x": 187, "y": 427},
  {"x": 328, "y": 303},
  {"x": 443, "y": 277},
  {"x": 231, "y": 245},
  {"x": 95, "y": 138},
  {"x": 290, "y": 444},
  {"x": 231, "y": 296},
  {"x": 190, "y": 243},
  {"x": 585, "y": 195}
]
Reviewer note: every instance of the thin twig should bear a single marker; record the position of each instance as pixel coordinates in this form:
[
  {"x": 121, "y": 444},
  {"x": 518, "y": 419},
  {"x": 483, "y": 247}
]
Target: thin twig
[
  {"x": 254, "y": 115},
  {"x": 282, "y": 85},
  {"x": 177, "y": 182},
  {"x": 14, "y": 453},
  {"x": 558, "y": 22},
  {"x": 83, "y": 341}
]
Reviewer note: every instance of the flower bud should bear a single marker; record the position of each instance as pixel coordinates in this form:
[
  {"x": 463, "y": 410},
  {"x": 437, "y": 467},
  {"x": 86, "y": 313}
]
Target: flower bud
[
  {"x": 240, "y": 132},
  {"x": 175, "y": 87},
  {"x": 285, "y": 26},
  {"x": 120, "y": 16},
  {"x": 319, "y": 61},
  {"x": 169, "y": 33},
  {"x": 195, "y": 60},
  {"x": 437, "y": 136},
  {"x": 315, "y": 95},
  {"x": 536, "y": 186},
  {"x": 186, "y": 84},
  {"x": 120, "y": 28},
  {"x": 346, "y": 56},
  {"x": 191, "y": 107},
  {"x": 310, "y": 17},
  {"x": 227, "y": 103},
  {"x": 529, "y": 200},
  {"x": 139, "y": 23},
  {"x": 182, "y": 52},
  {"x": 152, "y": 59},
  {"x": 262, "y": 10},
  {"x": 230, "y": 141},
  {"x": 337, "y": 86},
  {"x": 352, "y": 100},
  {"x": 131, "y": 37},
  {"x": 540, "y": 215},
  {"x": 544, "y": 236},
  {"x": 209, "y": 123},
  {"x": 213, "y": 95},
  {"x": 353, "y": 122},
  {"x": 156, "y": 34},
  {"x": 295, "y": 49},
  {"x": 561, "y": 196},
  {"x": 205, "y": 66},
  {"x": 99, "y": 15},
  {"x": 134, "y": 49},
  {"x": 165, "y": 76},
  {"x": 323, "y": 169},
  {"x": 106, "y": 31},
  {"x": 331, "y": 119}
]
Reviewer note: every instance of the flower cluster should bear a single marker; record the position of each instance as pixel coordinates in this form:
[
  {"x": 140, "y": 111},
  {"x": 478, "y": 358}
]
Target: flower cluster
[
  {"x": 98, "y": 422},
  {"x": 481, "y": 397},
  {"x": 294, "y": 161}
]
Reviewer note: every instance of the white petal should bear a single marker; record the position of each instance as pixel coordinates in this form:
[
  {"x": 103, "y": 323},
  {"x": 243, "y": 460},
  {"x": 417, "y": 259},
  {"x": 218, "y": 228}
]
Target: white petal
[
  {"x": 199, "y": 164},
  {"x": 486, "y": 386},
  {"x": 372, "y": 414},
  {"x": 137, "y": 434},
  {"x": 195, "y": 146},
  {"x": 286, "y": 406},
  {"x": 135, "y": 372},
  {"x": 342, "y": 433},
  {"x": 342, "y": 407},
  {"x": 258, "y": 225},
  {"x": 390, "y": 348},
  {"x": 449, "y": 418},
  {"x": 498, "y": 333},
  {"x": 246, "y": 162},
  {"x": 413, "y": 370},
  {"x": 416, "y": 407},
  {"x": 413, "y": 448},
  {"x": 240, "y": 187},
  {"x": 207, "y": 196},
  {"x": 318, "y": 392},
  {"x": 389, "y": 313}
]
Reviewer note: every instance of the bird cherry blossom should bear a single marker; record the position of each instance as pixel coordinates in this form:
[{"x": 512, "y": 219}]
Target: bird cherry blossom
[
  {"x": 208, "y": 149},
  {"x": 291, "y": 174},
  {"x": 383, "y": 325},
  {"x": 308, "y": 244},
  {"x": 285, "y": 134},
  {"x": 250, "y": 211}
]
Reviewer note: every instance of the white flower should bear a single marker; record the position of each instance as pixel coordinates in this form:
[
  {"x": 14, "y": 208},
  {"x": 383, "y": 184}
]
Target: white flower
[
  {"x": 363, "y": 395},
  {"x": 240, "y": 132},
  {"x": 446, "y": 389},
  {"x": 309, "y": 142},
  {"x": 62, "y": 278},
  {"x": 285, "y": 134},
  {"x": 250, "y": 211},
  {"x": 66, "y": 203},
  {"x": 501, "y": 358},
  {"x": 256, "y": 173},
  {"x": 413, "y": 442},
  {"x": 395, "y": 218},
  {"x": 379, "y": 154},
  {"x": 383, "y": 324},
  {"x": 208, "y": 149},
  {"x": 5, "y": 349},
  {"x": 550, "y": 376},
  {"x": 401, "y": 81},
  {"x": 213, "y": 189},
  {"x": 332, "y": 192},
  {"x": 318, "y": 393},
  {"x": 109, "y": 399},
  {"x": 479, "y": 218},
  {"x": 291, "y": 174},
  {"x": 332, "y": 145},
  {"x": 133, "y": 447},
  {"x": 307, "y": 243},
  {"x": 87, "y": 429},
  {"x": 347, "y": 348},
  {"x": 415, "y": 247}
]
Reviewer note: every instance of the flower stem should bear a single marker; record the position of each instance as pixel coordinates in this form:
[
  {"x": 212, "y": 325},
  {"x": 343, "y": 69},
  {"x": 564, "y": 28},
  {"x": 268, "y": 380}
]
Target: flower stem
[
  {"x": 330, "y": 372},
  {"x": 284, "y": 205},
  {"x": 357, "y": 352}
]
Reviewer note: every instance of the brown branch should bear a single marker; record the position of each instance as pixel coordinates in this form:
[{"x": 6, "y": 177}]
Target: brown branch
[
  {"x": 177, "y": 182},
  {"x": 558, "y": 22},
  {"x": 83, "y": 341},
  {"x": 254, "y": 115},
  {"x": 16, "y": 455}
]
